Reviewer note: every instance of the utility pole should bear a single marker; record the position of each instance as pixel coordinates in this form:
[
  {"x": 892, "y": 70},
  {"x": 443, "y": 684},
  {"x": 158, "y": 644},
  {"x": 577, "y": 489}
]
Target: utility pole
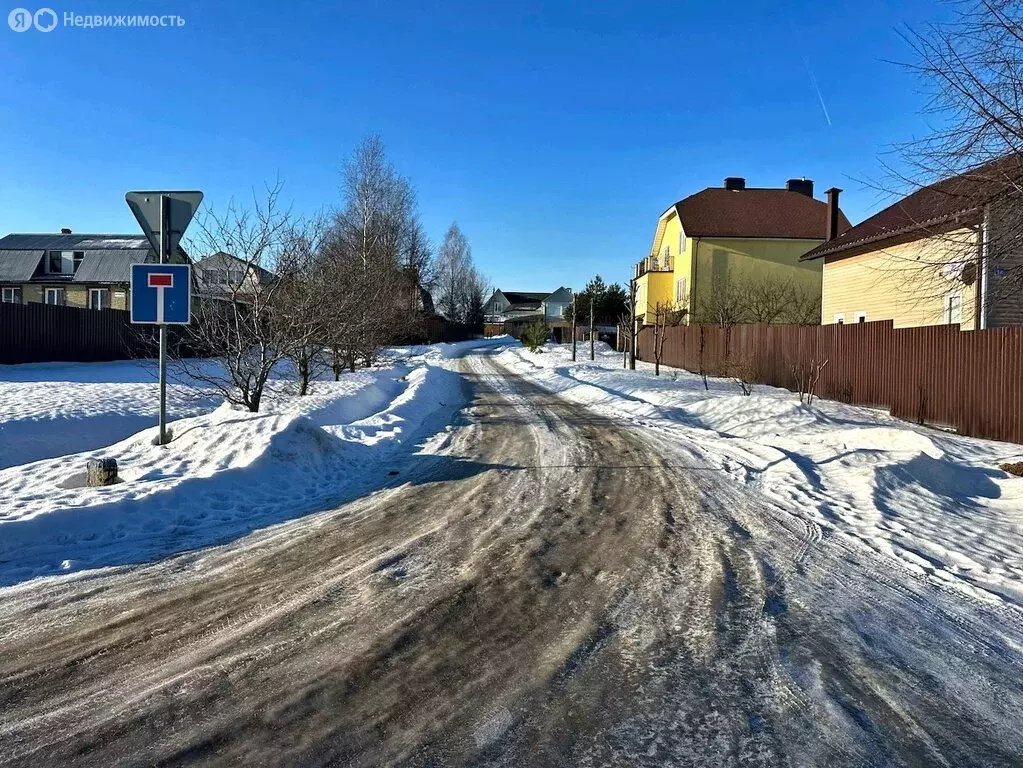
[
  {"x": 592, "y": 355},
  {"x": 574, "y": 316},
  {"x": 632, "y": 324}
]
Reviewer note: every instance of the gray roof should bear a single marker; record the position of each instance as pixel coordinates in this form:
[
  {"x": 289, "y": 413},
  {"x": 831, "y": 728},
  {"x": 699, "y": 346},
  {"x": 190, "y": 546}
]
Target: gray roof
[
  {"x": 221, "y": 260},
  {"x": 73, "y": 242},
  {"x": 108, "y": 266},
  {"x": 562, "y": 294},
  {"x": 18, "y": 266}
]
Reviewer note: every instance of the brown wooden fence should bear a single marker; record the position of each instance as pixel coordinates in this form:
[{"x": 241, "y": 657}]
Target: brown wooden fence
[
  {"x": 34, "y": 333},
  {"x": 971, "y": 381}
]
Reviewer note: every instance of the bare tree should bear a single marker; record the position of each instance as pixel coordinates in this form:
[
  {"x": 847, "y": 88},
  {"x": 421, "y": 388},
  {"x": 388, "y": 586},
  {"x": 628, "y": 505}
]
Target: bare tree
[
  {"x": 372, "y": 255},
  {"x": 633, "y": 327},
  {"x": 454, "y": 260},
  {"x": 666, "y": 315},
  {"x": 302, "y": 299},
  {"x": 972, "y": 71},
  {"x": 725, "y": 303},
  {"x": 742, "y": 369},
  {"x": 234, "y": 320}
]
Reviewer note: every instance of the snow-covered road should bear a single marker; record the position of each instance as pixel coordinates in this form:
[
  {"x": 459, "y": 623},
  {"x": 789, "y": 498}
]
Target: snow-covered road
[{"x": 560, "y": 580}]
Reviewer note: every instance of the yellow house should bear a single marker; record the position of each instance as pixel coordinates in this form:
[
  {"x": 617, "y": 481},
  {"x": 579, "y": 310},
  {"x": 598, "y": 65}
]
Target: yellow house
[
  {"x": 924, "y": 260},
  {"x": 732, "y": 235}
]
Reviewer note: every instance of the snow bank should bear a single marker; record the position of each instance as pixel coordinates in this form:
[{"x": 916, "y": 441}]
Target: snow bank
[
  {"x": 51, "y": 409},
  {"x": 227, "y": 472},
  {"x": 932, "y": 501}
]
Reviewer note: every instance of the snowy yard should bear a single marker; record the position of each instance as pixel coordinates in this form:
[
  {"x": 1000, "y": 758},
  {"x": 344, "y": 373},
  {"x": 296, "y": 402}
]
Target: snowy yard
[
  {"x": 227, "y": 471},
  {"x": 934, "y": 502}
]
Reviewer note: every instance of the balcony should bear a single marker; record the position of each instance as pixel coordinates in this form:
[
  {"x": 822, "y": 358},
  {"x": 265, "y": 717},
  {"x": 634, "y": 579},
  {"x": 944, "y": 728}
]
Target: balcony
[{"x": 654, "y": 264}]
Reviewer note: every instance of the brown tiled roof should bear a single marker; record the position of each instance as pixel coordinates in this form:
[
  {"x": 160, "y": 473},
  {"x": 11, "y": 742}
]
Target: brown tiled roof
[
  {"x": 753, "y": 212},
  {"x": 957, "y": 200}
]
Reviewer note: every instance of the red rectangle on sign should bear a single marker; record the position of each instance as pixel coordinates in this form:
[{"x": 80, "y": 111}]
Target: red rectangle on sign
[{"x": 161, "y": 280}]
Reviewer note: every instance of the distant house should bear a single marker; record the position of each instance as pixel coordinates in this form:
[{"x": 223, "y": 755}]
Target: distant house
[
  {"x": 522, "y": 306},
  {"x": 81, "y": 270},
  {"x": 735, "y": 233},
  {"x": 923, "y": 260},
  {"x": 554, "y": 306},
  {"x": 223, "y": 276}
]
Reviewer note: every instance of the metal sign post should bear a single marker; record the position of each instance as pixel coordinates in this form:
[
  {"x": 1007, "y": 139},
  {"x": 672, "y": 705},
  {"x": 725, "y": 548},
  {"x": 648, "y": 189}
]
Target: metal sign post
[
  {"x": 163, "y": 325},
  {"x": 162, "y": 294}
]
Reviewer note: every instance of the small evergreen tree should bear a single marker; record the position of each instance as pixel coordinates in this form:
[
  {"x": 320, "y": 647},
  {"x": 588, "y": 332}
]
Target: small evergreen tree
[{"x": 535, "y": 335}]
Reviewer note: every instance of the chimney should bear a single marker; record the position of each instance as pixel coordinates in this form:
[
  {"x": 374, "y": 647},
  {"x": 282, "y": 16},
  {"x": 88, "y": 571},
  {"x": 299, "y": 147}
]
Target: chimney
[
  {"x": 802, "y": 186},
  {"x": 65, "y": 230},
  {"x": 735, "y": 183},
  {"x": 833, "y": 212}
]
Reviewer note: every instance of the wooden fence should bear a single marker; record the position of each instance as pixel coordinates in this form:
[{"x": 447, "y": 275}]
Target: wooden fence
[
  {"x": 41, "y": 333},
  {"x": 971, "y": 381},
  {"x": 34, "y": 333}
]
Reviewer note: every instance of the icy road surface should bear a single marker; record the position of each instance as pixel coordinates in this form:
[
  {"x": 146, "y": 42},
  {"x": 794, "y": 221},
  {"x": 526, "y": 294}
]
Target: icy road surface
[{"x": 549, "y": 587}]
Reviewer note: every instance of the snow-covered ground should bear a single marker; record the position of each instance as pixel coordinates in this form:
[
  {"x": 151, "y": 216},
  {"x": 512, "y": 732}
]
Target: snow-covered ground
[
  {"x": 935, "y": 503},
  {"x": 226, "y": 472},
  {"x": 52, "y": 409},
  {"x": 932, "y": 502}
]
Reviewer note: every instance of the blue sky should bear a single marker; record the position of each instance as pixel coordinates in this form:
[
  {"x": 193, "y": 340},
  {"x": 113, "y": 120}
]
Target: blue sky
[{"x": 554, "y": 133}]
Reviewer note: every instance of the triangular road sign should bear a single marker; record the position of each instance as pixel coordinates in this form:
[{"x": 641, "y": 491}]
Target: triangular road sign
[{"x": 178, "y": 210}]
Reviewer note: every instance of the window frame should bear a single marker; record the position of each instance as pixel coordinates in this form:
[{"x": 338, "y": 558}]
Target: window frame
[
  {"x": 60, "y": 293},
  {"x": 100, "y": 292},
  {"x": 680, "y": 295},
  {"x": 839, "y": 318},
  {"x": 861, "y": 317},
  {"x": 10, "y": 290},
  {"x": 948, "y": 308}
]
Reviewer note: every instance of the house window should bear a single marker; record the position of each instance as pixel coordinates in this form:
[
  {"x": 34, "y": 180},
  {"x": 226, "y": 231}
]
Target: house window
[
  {"x": 235, "y": 277},
  {"x": 54, "y": 296},
  {"x": 839, "y": 319},
  {"x": 11, "y": 295},
  {"x": 681, "y": 242},
  {"x": 216, "y": 276},
  {"x": 680, "y": 292},
  {"x": 861, "y": 317},
  {"x": 954, "y": 308},
  {"x": 99, "y": 298},
  {"x": 63, "y": 262}
]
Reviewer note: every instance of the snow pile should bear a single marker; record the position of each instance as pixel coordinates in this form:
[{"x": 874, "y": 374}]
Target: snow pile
[
  {"x": 933, "y": 501},
  {"x": 51, "y": 409},
  {"x": 226, "y": 472}
]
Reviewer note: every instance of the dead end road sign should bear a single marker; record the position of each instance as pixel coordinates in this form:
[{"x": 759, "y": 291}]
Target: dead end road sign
[{"x": 161, "y": 293}]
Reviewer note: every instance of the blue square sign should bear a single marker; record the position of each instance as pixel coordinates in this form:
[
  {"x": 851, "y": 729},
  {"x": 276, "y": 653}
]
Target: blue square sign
[{"x": 161, "y": 293}]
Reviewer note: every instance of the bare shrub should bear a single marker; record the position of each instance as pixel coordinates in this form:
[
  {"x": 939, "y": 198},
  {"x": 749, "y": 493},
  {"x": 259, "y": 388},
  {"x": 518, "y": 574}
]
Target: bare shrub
[
  {"x": 666, "y": 315},
  {"x": 806, "y": 375},
  {"x": 743, "y": 370}
]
